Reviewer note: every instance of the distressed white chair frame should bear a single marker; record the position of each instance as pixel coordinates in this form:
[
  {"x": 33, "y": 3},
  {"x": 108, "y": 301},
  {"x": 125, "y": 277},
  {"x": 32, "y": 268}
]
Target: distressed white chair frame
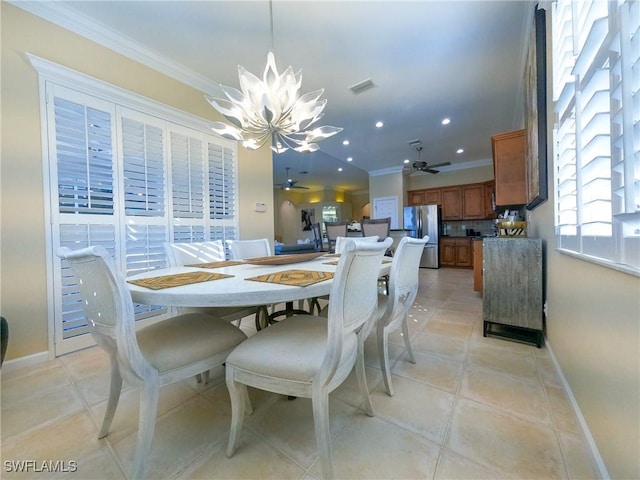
[
  {"x": 394, "y": 307},
  {"x": 165, "y": 352},
  {"x": 243, "y": 249},
  {"x": 340, "y": 241},
  {"x": 310, "y": 356}
]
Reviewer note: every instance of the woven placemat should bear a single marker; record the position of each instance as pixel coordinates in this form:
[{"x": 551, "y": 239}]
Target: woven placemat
[
  {"x": 218, "y": 264},
  {"x": 296, "y": 278},
  {"x": 177, "y": 280}
]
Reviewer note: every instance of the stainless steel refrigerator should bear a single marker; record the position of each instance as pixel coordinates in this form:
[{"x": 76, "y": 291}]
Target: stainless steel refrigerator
[{"x": 421, "y": 220}]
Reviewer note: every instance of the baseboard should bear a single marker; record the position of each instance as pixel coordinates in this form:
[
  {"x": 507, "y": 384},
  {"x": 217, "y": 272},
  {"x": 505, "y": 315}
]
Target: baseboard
[
  {"x": 28, "y": 360},
  {"x": 602, "y": 468}
]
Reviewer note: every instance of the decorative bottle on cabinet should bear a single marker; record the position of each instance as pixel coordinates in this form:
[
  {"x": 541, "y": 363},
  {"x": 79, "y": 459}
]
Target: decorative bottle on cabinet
[{"x": 512, "y": 294}]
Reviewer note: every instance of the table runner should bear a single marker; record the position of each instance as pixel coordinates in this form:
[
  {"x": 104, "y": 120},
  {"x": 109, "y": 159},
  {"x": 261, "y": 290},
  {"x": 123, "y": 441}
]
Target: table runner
[
  {"x": 218, "y": 264},
  {"x": 296, "y": 278},
  {"x": 177, "y": 280}
]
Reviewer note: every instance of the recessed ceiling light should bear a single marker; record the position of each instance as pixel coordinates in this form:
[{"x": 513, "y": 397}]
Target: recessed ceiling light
[
  {"x": 446, "y": 121},
  {"x": 406, "y": 160},
  {"x": 460, "y": 150},
  {"x": 345, "y": 142},
  {"x": 339, "y": 169},
  {"x": 349, "y": 159},
  {"x": 379, "y": 124}
]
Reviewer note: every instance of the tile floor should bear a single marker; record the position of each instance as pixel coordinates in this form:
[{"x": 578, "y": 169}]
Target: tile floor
[{"x": 471, "y": 407}]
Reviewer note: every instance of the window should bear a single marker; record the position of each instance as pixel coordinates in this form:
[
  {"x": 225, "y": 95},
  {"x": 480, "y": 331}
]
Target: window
[
  {"x": 128, "y": 174},
  {"x": 596, "y": 83}
]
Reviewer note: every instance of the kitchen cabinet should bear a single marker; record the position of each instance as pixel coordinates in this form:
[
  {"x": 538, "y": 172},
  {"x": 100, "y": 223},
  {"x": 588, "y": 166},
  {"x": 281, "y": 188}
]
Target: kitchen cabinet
[
  {"x": 455, "y": 252},
  {"x": 477, "y": 265},
  {"x": 473, "y": 201},
  {"x": 509, "y": 168},
  {"x": 433, "y": 196},
  {"x": 451, "y": 203},
  {"x": 416, "y": 197},
  {"x": 489, "y": 189},
  {"x": 512, "y": 294}
]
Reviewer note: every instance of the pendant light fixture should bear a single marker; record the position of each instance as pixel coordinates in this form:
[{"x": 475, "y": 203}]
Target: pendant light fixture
[{"x": 272, "y": 108}]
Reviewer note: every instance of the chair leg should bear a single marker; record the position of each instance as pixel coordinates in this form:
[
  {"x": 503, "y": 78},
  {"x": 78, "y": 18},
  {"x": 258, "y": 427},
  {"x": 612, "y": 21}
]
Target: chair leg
[
  {"x": 407, "y": 341},
  {"x": 149, "y": 393},
  {"x": 361, "y": 376},
  {"x": 239, "y": 395},
  {"x": 320, "y": 402},
  {"x": 115, "y": 388},
  {"x": 262, "y": 317},
  {"x": 383, "y": 353}
]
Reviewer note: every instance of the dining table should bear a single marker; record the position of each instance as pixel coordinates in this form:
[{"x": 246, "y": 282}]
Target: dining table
[{"x": 260, "y": 281}]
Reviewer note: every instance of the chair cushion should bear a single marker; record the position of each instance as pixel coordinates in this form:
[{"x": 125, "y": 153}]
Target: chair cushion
[
  {"x": 292, "y": 349},
  {"x": 185, "y": 339}
]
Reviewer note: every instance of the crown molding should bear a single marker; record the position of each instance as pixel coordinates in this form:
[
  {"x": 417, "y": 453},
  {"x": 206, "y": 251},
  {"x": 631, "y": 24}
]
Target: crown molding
[
  {"x": 449, "y": 168},
  {"x": 70, "y": 19}
]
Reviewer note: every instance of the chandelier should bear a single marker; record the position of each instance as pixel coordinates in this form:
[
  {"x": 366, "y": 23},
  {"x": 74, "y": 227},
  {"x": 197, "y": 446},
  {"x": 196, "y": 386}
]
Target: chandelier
[{"x": 272, "y": 108}]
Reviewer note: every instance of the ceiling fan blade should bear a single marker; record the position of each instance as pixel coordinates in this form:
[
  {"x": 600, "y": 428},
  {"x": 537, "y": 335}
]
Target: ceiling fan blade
[
  {"x": 302, "y": 188},
  {"x": 430, "y": 170},
  {"x": 443, "y": 164}
]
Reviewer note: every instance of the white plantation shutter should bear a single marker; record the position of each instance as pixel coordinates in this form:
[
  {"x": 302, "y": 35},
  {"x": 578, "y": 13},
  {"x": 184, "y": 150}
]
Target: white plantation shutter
[
  {"x": 129, "y": 181},
  {"x": 596, "y": 52}
]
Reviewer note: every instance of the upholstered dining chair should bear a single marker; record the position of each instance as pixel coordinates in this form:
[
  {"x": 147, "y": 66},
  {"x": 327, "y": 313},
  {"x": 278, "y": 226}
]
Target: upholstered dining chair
[
  {"x": 163, "y": 353},
  {"x": 341, "y": 241},
  {"x": 180, "y": 254},
  {"x": 376, "y": 226},
  {"x": 335, "y": 229},
  {"x": 394, "y": 307},
  {"x": 310, "y": 356},
  {"x": 243, "y": 249}
]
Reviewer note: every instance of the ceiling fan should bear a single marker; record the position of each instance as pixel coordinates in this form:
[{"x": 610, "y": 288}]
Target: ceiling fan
[
  {"x": 420, "y": 166},
  {"x": 289, "y": 183}
]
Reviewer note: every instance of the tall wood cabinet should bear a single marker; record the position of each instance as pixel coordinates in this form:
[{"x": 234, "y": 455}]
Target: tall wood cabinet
[
  {"x": 512, "y": 294},
  {"x": 509, "y": 168}
]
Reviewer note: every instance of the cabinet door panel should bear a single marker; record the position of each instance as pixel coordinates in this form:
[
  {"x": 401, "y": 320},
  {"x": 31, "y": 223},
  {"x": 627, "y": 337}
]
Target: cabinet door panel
[
  {"x": 415, "y": 197},
  {"x": 509, "y": 168},
  {"x": 451, "y": 204},
  {"x": 473, "y": 201},
  {"x": 448, "y": 253},
  {"x": 433, "y": 196}
]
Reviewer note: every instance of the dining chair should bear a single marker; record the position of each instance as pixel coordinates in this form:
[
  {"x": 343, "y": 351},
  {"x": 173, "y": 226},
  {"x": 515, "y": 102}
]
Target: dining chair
[
  {"x": 341, "y": 241},
  {"x": 310, "y": 356},
  {"x": 165, "y": 352},
  {"x": 334, "y": 229},
  {"x": 317, "y": 236},
  {"x": 243, "y": 249},
  {"x": 393, "y": 308},
  {"x": 180, "y": 254},
  {"x": 376, "y": 226}
]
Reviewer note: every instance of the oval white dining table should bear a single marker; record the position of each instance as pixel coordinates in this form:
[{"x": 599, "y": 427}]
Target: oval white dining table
[{"x": 237, "y": 290}]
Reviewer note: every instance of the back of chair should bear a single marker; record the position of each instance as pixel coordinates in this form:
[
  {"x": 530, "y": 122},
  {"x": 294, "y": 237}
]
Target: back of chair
[
  {"x": 340, "y": 241},
  {"x": 179, "y": 254},
  {"x": 404, "y": 276},
  {"x": 376, "y": 226},
  {"x": 317, "y": 236},
  {"x": 107, "y": 304},
  {"x": 243, "y": 249},
  {"x": 354, "y": 292},
  {"x": 334, "y": 230}
]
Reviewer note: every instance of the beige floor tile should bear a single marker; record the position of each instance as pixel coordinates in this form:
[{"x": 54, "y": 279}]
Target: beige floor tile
[
  {"x": 86, "y": 362},
  {"x": 578, "y": 458},
  {"x": 435, "y": 370},
  {"x": 39, "y": 409},
  {"x": 41, "y": 381},
  {"x": 503, "y": 359},
  {"x": 252, "y": 460},
  {"x": 349, "y": 392},
  {"x": 440, "y": 345},
  {"x": 419, "y": 408},
  {"x": 126, "y": 418},
  {"x": 371, "y": 356},
  {"x": 95, "y": 388},
  {"x": 10, "y": 372},
  {"x": 370, "y": 448},
  {"x": 563, "y": 414},
  {"x": 519, "y": 396},
  {"x": 455, "y": 329},
  {"x": 547, "y": 370},
  {"x": 513, "y": 445},
  {"x": 181, "y": 437},
  {"x": 288, "y": 426},
  {"x": 456, "y": 316},
  {"x": 456, "y": 467}
]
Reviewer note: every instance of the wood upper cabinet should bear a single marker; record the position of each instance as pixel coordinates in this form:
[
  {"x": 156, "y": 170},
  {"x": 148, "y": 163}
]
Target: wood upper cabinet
[
  {"x": 415, "y": 197},
  {"x": 489, "y": 189},
  {"x": 473, "y": 201},
  {"x": 451, "y": 203},
  {"x": 509, "y": 168},
  {"x": 433, "y": 196}
]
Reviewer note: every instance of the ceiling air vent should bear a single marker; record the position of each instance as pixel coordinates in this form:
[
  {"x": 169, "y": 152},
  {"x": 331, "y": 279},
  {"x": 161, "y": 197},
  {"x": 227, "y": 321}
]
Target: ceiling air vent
[{"x": 362, "y": 86}]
